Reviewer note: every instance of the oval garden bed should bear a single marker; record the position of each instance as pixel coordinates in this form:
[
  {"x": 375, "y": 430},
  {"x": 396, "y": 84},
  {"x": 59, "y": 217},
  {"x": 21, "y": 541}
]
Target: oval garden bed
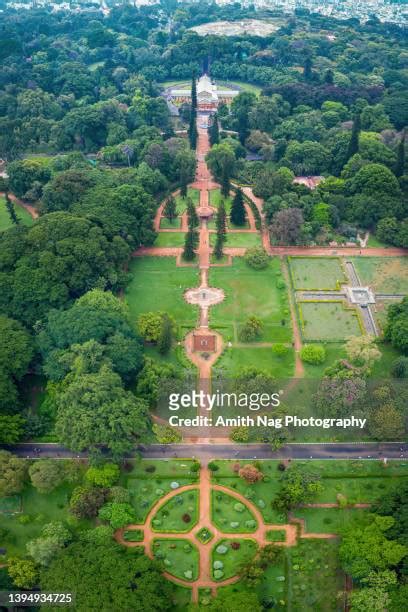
[
  {"x": 178, "y": 515},
  {"x": 230, "y": 515},
  {"x": 228, "y": 556},
  {"x": 179, "y": 557}
]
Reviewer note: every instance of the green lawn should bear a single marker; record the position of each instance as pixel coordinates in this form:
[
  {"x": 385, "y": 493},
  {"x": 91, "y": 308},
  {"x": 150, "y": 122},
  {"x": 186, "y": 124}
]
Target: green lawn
[
  {"x": 157, "y": 284},
  {"x": 169, "y": 239},
  {"x": 328, "y": 321},
  {"x": 193, "y": 194},
  {"x": 314, "y": 576},
  {"x": 328, "y": 520},
  {"x": 334, "y": 351},
  {"x": 233, "y": 558},
  {"x": 178, "y": 557},
  {"x": 383, "y": 274},
  {"x": 230, "y": 516},
  {"x": 5, "y": 221},
  {"x": 238, "y": 239},
  {"x": 251, "y": 292},
  {"x": 260, "y": 493},
  {"x": 40, "y": 510},
  {"x": 316, "y": 273},
  {"x": 276, "y": 535},
  {"x": 216, "y": 198},
  {"x": 179, "y": 514},
  {"x": 166, "y": 224},
  {"x": 270, "y": 589},
  {"x": 234, "y": 358},
  {"x": 149, "y": 480},
  {"x": 374, "y": 242}
]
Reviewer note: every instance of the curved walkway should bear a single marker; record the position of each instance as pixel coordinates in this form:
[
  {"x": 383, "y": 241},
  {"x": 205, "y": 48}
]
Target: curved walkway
[{"x": 294, "y": 530}]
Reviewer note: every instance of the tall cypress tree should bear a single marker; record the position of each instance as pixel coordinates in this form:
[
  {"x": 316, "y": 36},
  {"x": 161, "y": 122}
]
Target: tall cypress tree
[
  {"x": 221, "y": 225},
  {"x": 221, "y": 221},
  {"x": 400, "y": 165},
  {"x": 308, "y": 69},
  {"x": 170, "y": 209},
  {"x": 166, "y": 335},
  {"x": 11, "y": 210},
  {"x": 183, "y": 181},
  {"x": 192, "y": 130},
  {"x": 213, "y": 131},
  {"x": 193, "y": 94},
  {"x": 355, "y": 137},
  {"x": 193, "y": 220},
  {"x": 225, "y": 182},
  {"x": 238, "y": 213},
  {"x": 219, "y": 247},
  {"x": 190, "y": 243},
  {"x": 243, "y": 125}
]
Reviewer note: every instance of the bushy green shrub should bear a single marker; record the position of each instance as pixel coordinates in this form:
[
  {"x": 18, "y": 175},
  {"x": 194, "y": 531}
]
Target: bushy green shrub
[
  {"x": 257, "y": 258},
  {"x": 315, "y": 354}
]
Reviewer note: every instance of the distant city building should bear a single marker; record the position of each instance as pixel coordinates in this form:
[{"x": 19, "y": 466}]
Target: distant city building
[{"x": 209, "y": 95}]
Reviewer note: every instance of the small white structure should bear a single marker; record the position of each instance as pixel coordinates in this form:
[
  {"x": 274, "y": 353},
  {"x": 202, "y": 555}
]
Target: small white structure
[
  {"x": 360, "y": 295},
  {"x": 208, "y": 94}
]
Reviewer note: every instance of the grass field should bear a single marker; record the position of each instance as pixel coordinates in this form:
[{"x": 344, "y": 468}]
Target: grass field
[
  {"x": 40, "y": 510},
  {"x": 238, "y": 239},
  {"x": 157, "y": 284},
  {"x": 329, "y": 321},
  {"x": 169, "y": 239},
  {"x": 5, "y": 221},
  {"x": 314, "y": 576},
  {"x": 179, "y": 557},
  {"x": 249, "y": 292},
  {"x": 179, "y": 514},
  {"x": 193, "y": 194},
  {"x": 316, "y": 272},
  {"x": 260, "y": 493},
  {"x": 234, "y": 557},
  {"x": 216, "y": 198},
  {"x": 383, "y": 274},
  {"x": 149, "y": 480},
  {"x": 235, "y": 358},
  {"x": 328, "y": 520},
  {"x": 230, "y": 516},
  {"x": 166, "y": 224}
]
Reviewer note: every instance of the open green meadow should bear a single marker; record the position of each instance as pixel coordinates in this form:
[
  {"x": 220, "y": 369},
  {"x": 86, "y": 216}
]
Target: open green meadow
[
  {"x": 251, "y": 292},
  {"x": 238, "y": 239},
  {"x": 157, "y": 284},
  {"x": 234, "y": 358}
]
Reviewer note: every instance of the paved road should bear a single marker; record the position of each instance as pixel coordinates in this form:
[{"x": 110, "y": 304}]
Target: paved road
[{"x": 206, "y": 452}]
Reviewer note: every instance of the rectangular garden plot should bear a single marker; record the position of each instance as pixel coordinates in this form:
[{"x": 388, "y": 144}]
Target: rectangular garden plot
[
  {"x": 317, "y": 273},
  {"x": 383, "y": 274},
  {"x": 328, "y": 321}
]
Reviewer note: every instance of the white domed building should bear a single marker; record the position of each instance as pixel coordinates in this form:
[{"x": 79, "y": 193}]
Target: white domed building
[{"x": 209, "y": 95}]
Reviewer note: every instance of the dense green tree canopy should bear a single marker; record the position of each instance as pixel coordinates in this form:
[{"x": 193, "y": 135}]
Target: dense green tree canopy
[
  {"x": 94, "y": 409},
  {"x": 58, "y": 259},
  {"x": 131, "y": 581},
  {"x": 97, "y": 316}
]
